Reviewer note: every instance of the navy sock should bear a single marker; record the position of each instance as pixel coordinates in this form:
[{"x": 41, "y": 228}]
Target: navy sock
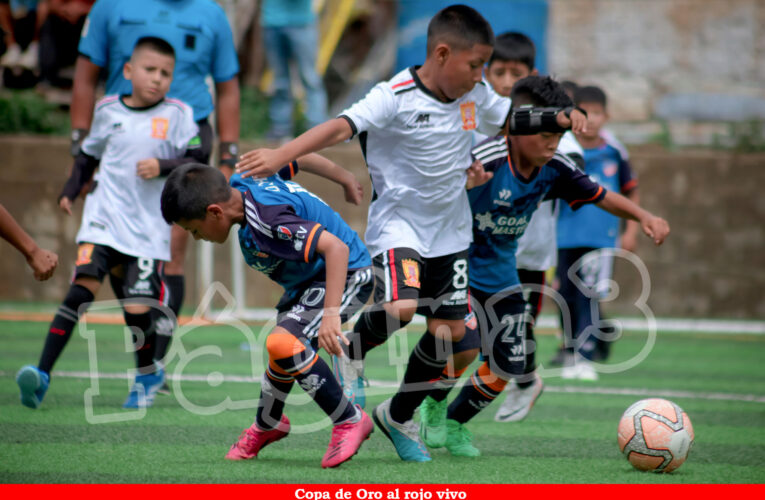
[
  {"x": 320, "y": 383},
  {"x": 426, "y": 363},
  {"x": 479, "y": 391},
  {"x": 273, "y": 393},
  {"x": 444, "y": 386},
  {"x": 62, "y": 325},
  {"x": 176, "y": 284}
]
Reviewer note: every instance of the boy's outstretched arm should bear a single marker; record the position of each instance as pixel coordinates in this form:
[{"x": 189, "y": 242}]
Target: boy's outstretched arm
[
  {"x": 266, "y": 162},
  {"x": 335, "y": 254},
  {"x": 655, "y": 227},
  {"x": 324, "y": 167},
  {"x": 42, "y": 262}
]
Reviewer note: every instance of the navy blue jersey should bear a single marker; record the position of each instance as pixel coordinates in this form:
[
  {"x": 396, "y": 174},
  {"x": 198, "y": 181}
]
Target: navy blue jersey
[
  {"x": 592, "y": 227},
  {"x": 502, "y": 209},
  {"x": 282, "y": 225}
]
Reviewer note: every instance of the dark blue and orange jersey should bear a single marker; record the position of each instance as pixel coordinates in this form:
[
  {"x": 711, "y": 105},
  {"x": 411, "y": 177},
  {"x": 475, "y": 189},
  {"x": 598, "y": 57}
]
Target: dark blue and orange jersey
[
  {"x": 283, "y": 222},
  {"x": 502, "y": 208},
  {"x": 592, "y": 227}
]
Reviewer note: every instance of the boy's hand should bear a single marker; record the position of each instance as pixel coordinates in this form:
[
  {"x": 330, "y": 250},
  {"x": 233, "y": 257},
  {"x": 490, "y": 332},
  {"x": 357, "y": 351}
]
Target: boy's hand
[
  {"x": 477, "y": 175},
  {"x": 258, "y": 163},
  {"x": 148, "y": 169},
  {"x": 329, "y": 332},
  {"x": 656, "y": 228},
  {"x": 65, "y": 204},
  {"x": 354, "y": 191},
  {"x": 43, "y": 263},
  {"x": 577, "y": 121}
]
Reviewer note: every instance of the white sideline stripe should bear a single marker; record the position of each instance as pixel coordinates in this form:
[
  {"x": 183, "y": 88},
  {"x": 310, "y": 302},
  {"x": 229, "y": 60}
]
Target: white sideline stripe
[
  {"x": 663, "y": 325},
  {"x": 608, "y": 391}
]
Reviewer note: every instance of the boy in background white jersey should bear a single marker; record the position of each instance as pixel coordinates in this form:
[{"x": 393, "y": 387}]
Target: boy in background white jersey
[
  {"x": 135, "y": 140},
  {"x": 415, "y": 133}
]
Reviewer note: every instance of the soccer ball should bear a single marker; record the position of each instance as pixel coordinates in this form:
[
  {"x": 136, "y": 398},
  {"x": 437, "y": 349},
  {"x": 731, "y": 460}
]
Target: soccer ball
[{"x": 656, "y": 435}]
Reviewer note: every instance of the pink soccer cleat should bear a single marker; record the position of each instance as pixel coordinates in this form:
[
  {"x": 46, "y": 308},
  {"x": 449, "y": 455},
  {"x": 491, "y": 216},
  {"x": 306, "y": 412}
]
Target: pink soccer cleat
[
  {"x": 346, "y": 440},
  {"x": 252, "y": 440}
]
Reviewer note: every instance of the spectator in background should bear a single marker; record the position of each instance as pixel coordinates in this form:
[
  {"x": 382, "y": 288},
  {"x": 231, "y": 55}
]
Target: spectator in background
[
  {"x": 290, "y": 35},
  {"x": 60, "y": 30},
  {"x": 20, "y": 22},
  {"x": 200, "y": 33}
]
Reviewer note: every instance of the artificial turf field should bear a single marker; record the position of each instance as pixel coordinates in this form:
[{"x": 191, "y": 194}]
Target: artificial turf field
[{"x": 569, "y": 437}]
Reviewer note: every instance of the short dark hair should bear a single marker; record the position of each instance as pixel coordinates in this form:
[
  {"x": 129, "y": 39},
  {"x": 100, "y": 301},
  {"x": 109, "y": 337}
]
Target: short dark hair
[
  {"x": 539, "y": 91},
  {"x": 514, "y": 46},
  {"x": 190, "y": 189},
  {"x": 570, "y": 87},
  {"x": 460, "y": 27},
  {"x": 591, "y": 94},
  {"x": 156, "y": 44}
]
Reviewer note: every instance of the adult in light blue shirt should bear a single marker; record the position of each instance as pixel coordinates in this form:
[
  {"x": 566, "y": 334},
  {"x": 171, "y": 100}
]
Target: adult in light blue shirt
[{"x": 290, "y": 34}]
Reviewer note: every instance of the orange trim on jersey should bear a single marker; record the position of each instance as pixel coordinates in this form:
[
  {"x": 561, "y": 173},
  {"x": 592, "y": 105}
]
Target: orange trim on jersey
[
  {"x": 403, "y": 83},
  {"x": 489, "y": 379},
  {"x": 509, "y": 160},
  {"x": 600, "y": 190},
  {"x": 629, "y": 186},
  {"x": 309, "y": 240}
]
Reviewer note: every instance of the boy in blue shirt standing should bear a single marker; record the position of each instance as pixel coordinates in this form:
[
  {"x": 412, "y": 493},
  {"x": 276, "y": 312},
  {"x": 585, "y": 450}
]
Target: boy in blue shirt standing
[
  {"x": 298, "y": 241},
  {"x": 583, "y": 235}
]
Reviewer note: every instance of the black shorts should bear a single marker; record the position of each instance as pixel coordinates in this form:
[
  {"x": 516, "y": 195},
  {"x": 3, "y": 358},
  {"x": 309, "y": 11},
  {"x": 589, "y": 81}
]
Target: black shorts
[
  {"x": 440, "y": 284},
  {"x": 503, "y": 321},
  {"x": 141, "y": 276},
  {"x": 301, "y": 316}
]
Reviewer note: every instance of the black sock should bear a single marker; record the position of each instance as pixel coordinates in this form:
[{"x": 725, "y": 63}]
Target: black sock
[
  {"x": 444, "y": 386},
  {"x": 479, "y": 391},
  {"x": 144, "y": 337},
  {"x": 314, "y": 376},
  {"x": 373, "y": 328},
  {"x": 62, "y": 325},
  {"x": 426, "y": 363},
  {"x": 164, "y": 327},
  {"x": 176, "y": 284},
  {"x": 273, "y": 394},
  {"x": 527, "y": 380}
]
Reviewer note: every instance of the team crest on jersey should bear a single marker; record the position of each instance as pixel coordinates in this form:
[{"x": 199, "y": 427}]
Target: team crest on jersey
[
  {"x": 283, "y": 233},
  {"x": 610, "y": 169},
  {"x": 159, "y": 128},
  {"x": 411, "y": 273},
  {"x": 84, "y": 254},
  {"x": 467, "y": 112}
]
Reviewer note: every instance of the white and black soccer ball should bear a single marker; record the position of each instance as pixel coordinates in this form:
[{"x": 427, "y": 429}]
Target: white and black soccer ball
[{"x": 655, "y": 435}]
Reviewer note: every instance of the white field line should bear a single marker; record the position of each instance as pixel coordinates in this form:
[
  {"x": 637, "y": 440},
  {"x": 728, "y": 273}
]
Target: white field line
[
  {"x": 550, "y": 321},
  {"x": 385, "y": 384}
]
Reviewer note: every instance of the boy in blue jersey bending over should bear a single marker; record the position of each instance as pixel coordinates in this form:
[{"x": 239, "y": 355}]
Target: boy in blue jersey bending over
[
  {"x": 298, "y": 241},
  {"x": 526, "y": 170}
]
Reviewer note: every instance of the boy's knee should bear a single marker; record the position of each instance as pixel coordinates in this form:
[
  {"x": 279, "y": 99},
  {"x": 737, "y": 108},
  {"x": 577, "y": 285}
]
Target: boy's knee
[
  {"x": 449, "y": 330},
  {"x": 403, "y": 309},
  {"x": 282, "y": 345},
  {"x": 136, "y": 309}
]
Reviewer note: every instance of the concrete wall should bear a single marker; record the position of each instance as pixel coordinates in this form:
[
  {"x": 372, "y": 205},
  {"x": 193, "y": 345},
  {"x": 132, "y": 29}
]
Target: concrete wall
[
  {"x": 688, "y": 70},
  {"x": 713, "y": 264}
]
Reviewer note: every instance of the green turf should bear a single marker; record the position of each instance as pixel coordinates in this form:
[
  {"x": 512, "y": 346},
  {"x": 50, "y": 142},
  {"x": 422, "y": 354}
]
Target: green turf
[{"x": 568, "y": 437}]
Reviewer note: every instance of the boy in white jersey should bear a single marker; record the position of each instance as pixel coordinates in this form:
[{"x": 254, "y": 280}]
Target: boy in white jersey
[
  {"x": 415, "y": 133},
  {"x": 134, "y": 140}
]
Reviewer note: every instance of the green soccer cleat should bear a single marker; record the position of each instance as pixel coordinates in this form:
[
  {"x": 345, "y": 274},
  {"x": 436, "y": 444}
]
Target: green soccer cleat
[
  {"x": 433, "y": 422},
  {"x": 458, "y": 440}
]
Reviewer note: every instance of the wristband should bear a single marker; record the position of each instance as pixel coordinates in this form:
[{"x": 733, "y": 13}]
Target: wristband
[{"x": 230, "y": 148}]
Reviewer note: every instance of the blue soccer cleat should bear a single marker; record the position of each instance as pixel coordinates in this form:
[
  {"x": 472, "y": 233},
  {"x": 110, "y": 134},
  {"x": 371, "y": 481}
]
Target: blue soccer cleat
[
  {"x": 348, "y": 373},
  {"x": 33, "y": 383},
  {"x": 405, "y": 437},
  {"x": 144, "y": 389}
]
